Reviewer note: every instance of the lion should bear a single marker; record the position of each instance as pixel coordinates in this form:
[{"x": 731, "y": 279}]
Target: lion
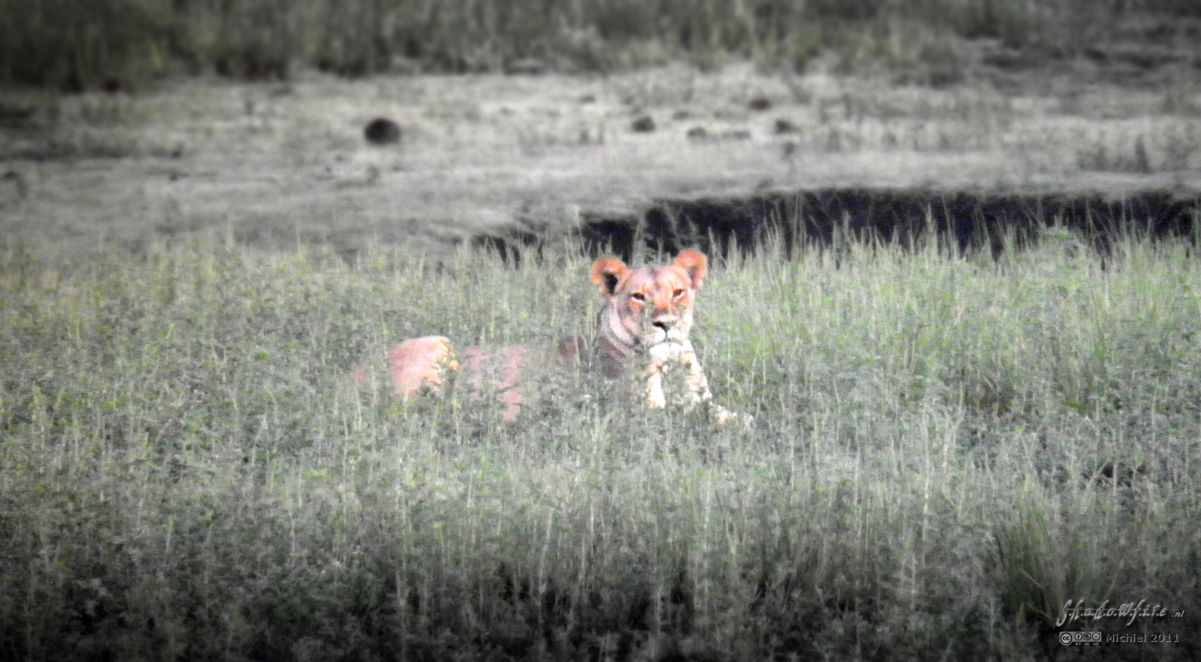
[{"x": 642, "y": 333}]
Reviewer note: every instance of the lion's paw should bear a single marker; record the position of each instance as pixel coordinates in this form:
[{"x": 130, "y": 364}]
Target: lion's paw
[{"x": 725, "y": 417}]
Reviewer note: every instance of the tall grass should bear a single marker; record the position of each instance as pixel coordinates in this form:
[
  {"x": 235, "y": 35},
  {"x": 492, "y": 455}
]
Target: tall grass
[
  {"x": 948, "y": 449},
  {"x": 81, "y": 43}
]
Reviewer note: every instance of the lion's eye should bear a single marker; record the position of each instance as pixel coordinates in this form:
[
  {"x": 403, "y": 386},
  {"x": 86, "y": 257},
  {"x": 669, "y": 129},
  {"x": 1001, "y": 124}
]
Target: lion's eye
[
  {"x": 638, "y": 296},
  {"x": 677, "y": 293}
]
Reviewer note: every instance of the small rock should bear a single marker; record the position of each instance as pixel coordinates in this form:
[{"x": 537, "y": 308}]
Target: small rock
[
  {"x": 736, "y": 134},
  {"x": 382, "y": 131},
  {"x": 698, "y": 133},
  {"x": 644, "y": 124},
  {"x": 112, "y": 85},
  {"x": 760, "y": 103},
  {"x": 14, "y": 116},
  {"x": 526, "y": 66},
  {"x": 785, "y": 126},
  {"x": 20, "y": 186}
]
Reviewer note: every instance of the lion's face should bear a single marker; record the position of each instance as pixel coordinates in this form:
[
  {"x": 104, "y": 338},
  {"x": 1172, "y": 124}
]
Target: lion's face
[{"x": 652, "y": 304}]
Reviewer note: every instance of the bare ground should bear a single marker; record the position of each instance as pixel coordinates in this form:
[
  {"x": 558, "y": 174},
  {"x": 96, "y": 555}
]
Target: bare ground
[{"x": 278, "y": 163}]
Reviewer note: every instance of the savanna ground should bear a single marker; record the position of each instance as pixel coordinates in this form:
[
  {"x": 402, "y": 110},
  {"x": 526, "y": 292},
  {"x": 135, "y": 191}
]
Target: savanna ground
[{"x": 949, "y": 447}]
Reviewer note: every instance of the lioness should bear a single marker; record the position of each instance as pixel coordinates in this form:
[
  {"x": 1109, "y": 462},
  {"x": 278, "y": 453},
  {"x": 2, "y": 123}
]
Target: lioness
[{"x": 642, "y": 331}]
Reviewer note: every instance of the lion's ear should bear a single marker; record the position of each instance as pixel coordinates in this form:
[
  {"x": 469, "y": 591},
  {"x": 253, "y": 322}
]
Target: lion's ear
[
  {"x": 696, "y": 264},
  {"x": 607, "y": 273}
]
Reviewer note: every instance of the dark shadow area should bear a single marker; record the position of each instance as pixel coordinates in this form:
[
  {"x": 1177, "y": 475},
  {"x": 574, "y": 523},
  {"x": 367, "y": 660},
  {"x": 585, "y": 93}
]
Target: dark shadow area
[{"x": 970, "y": 222}]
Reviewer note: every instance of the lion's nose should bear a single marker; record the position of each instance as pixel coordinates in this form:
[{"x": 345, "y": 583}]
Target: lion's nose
[{"x": 665, "y": 323}]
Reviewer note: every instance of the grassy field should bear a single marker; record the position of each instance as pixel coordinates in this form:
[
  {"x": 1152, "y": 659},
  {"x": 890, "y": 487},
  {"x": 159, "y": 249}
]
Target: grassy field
[
  {"x": 78, "y": 44},
  {"x": 948, "y": 450}
]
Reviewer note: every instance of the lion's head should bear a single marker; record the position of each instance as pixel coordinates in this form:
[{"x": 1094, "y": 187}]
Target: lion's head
[{"x": 650, "y": 305}]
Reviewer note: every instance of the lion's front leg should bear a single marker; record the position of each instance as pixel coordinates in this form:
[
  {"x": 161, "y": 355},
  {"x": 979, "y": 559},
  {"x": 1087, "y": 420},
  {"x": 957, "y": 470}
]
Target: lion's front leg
[
  {"x": 699, "y": 393},
  {"x": 655, "y": 397},
  {"x": 695, "y": 380},
  {"x": 660, "y": 358}
]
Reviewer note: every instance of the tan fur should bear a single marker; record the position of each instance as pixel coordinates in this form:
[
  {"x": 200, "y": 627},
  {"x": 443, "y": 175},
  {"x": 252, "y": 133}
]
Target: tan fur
[
  {"x": 500, "y": 371},
  {"x": 643, "y": 330},
  {"x": 415, "y": 364}
]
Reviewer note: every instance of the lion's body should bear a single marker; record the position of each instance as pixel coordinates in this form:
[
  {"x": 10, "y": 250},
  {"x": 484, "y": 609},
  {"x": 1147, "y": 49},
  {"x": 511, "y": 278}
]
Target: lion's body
[{"x": 643, "y": 333}]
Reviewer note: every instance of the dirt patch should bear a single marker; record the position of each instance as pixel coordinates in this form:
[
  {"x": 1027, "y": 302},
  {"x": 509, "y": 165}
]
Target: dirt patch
[
  {"x": 485, "y": 157},
  {"x": 971, "y": 221}
]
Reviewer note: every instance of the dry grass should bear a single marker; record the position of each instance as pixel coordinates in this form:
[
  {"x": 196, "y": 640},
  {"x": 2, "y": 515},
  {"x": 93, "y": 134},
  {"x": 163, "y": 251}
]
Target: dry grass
[
  {"x": 75, "y": 44},
  {"x": 481, "y": 153}
]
